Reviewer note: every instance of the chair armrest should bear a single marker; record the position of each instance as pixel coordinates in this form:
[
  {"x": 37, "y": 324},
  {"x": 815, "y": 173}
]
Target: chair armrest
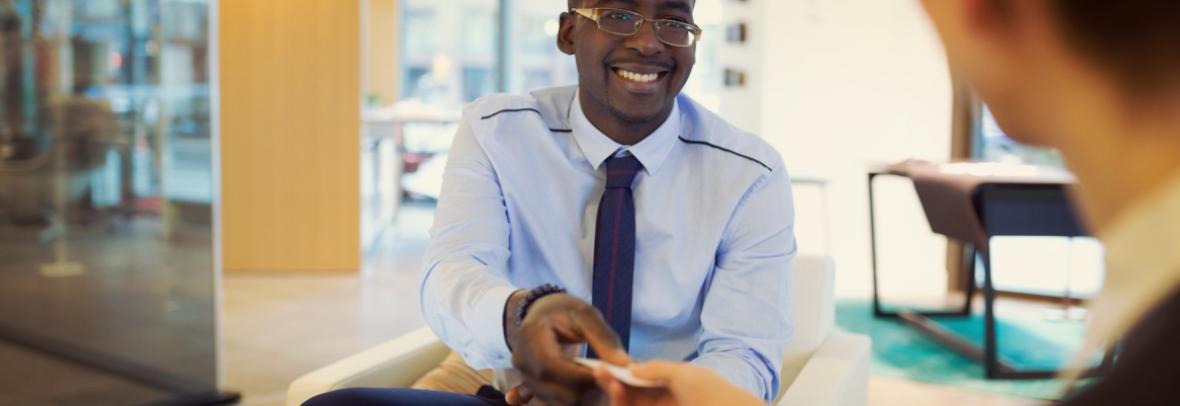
[
  {"x": 396, "y": 363},
  {"x": 837, "y": 374}
]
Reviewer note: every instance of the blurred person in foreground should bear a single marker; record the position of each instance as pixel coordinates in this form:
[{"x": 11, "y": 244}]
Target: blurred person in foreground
[
  {"x": 1098, "y": 80},
  {"x": 618, "y": 213}
]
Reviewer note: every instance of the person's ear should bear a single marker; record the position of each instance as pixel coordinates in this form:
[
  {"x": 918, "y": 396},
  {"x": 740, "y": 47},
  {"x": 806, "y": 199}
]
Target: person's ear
[
  {"x": 993, "y": 20},
  {"x": 565, "y": 34}
]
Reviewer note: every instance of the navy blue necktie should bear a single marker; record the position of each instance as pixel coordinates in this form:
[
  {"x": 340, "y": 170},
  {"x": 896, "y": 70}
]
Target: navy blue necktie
[{"x": 614, "y": 247}]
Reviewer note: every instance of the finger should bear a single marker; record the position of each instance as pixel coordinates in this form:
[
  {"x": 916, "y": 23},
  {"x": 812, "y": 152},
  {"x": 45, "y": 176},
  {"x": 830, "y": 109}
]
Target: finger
[
  {"x": 525, "y": 393},
  {"x": 554, "y": 394},
  {"x": 618, "y": 394},
  {"x": 518, "y": 395},
  {"x": 543, "y": 358},
  {"x": 512, "y": 397},
  {"x": 602, "y": 377},
  {"x": 658, "y": 370},
  {"x": 589, "y": 324},
  {"x": 550, "y": 363}
]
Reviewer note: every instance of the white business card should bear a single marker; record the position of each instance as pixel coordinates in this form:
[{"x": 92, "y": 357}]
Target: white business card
[{"x": 621, "y": 373}]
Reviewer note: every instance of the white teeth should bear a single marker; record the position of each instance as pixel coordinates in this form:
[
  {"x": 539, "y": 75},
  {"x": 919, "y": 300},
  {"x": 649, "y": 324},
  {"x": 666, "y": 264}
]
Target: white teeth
[{"x": 637, "y": 77}]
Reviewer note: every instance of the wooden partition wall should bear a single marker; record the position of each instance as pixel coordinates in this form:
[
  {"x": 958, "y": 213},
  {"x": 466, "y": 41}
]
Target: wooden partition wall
[{"x": 290, "y": 133}]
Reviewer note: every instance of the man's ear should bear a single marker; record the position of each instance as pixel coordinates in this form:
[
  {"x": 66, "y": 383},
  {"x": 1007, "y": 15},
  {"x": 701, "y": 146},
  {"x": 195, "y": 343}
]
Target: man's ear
[
  {"x": 989, "y": 18},
  {"x": 565, "y": 34}
]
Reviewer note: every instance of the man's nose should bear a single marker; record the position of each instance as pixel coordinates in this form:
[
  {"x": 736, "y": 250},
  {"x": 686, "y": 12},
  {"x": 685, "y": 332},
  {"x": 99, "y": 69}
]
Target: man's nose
[{"x": 645, "y": 41}]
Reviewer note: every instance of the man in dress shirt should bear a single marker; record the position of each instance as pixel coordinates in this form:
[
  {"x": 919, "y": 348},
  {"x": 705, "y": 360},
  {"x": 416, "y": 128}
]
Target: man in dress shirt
[{"x": 670, "y": 230}]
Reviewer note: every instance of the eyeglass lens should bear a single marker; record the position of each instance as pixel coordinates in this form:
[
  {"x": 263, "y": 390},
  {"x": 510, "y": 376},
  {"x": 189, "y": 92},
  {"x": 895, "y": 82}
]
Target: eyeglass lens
[{"x": 626, "y": 23}]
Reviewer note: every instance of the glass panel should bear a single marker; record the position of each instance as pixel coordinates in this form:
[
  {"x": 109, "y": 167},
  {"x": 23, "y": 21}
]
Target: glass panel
[
  {"x": 704, "y": 85},
  {"x": 478, "y": 24},
  {"x": 106, "y": 277},
  {"x": 994, "y": 145},
  {"x": 440, "y": 64},
  {"x": 1055, "y": 266},
  {"x": 477, "y": 82},
  {"x": 534, "y": 61}
]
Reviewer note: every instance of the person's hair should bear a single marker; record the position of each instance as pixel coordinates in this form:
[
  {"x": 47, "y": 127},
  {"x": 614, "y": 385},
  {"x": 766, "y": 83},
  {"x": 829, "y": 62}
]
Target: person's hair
[{"x": 1138, "y": 41}]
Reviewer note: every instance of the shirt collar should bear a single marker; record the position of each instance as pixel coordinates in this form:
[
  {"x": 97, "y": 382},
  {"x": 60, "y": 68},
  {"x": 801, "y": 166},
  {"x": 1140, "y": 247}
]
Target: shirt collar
[
  {"x": 1143, "y": 264},
  {"x": 651, "y": 152}
]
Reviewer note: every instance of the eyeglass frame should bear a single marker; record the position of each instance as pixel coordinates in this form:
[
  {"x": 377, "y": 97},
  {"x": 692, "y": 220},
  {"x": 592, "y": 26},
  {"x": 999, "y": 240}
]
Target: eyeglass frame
[{"x": 593, "y": 14}]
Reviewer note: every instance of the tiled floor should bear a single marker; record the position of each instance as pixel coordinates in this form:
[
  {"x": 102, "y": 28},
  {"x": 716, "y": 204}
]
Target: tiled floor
[
  {"x": 277, "y": 327},
  {"x": 123, "y": 292}
]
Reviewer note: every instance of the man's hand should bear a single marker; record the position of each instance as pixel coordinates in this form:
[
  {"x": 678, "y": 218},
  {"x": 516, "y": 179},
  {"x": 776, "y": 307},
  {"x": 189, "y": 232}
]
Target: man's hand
[
  {"x": 685, "y": 384},
  {"x": 545, "y": 342}
]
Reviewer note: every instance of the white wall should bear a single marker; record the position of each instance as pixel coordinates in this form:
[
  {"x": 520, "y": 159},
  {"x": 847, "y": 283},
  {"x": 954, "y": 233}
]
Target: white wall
[{"x": 835, "y": 86}]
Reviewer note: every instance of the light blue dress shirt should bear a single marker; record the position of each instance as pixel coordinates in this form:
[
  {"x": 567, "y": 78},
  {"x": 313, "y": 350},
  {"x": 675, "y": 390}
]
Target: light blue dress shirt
[{"x": 714, "y": 233}]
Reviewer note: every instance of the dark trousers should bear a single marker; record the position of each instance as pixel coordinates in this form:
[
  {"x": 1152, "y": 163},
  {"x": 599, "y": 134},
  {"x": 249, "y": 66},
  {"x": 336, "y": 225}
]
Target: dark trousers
[{"x": 487, "y": 396}]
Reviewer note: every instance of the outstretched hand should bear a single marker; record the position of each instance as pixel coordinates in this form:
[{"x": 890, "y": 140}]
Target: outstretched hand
[
  {"x": 545, "y": 343},
  {"x": 683, "y": 384}
]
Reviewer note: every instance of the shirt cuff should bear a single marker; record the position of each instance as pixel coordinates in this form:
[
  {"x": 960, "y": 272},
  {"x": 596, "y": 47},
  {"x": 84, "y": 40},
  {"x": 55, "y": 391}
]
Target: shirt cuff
[{"x": 488, "y": 327}]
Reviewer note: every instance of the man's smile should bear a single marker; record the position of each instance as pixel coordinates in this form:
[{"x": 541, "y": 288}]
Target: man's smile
[{"x": 640, "y": 78}]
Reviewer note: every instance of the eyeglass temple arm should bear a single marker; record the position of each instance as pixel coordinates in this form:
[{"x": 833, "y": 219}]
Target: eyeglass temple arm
[{"x": 585, "y": 12}]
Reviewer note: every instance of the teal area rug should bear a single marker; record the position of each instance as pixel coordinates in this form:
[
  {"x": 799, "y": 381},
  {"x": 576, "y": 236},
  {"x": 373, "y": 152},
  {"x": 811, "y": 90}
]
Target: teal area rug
[{"x": 1029, "y": 341}]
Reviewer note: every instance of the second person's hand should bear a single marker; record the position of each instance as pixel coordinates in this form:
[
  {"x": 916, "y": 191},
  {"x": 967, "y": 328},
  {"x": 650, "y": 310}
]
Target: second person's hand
[{"x": 684, "y": 384}]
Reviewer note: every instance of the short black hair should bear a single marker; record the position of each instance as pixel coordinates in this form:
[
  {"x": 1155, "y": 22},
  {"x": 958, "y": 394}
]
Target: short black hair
[{"x": 1136, "y": 40}]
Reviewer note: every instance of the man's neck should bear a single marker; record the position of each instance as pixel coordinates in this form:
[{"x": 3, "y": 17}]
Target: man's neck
[
  {"x": 616, "y": 128},
  {"x": 1123, "y": 158}
]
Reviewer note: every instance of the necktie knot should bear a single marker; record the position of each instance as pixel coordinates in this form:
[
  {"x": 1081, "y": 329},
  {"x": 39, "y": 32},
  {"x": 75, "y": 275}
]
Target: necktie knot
[{"x": 621, "y": 171}]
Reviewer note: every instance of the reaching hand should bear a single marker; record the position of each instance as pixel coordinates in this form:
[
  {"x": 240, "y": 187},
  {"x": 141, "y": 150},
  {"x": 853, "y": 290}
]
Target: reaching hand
[
  {"x": 544, "y": 344},
  {"x": 685, "y": 384}
]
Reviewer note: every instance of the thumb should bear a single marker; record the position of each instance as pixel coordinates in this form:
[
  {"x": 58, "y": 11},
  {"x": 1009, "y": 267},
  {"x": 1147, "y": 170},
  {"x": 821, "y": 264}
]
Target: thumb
[
  {"x": 602, "y": 339},
  {"x": 663, "y": 371},
  {"x": 518, "y": 395}
]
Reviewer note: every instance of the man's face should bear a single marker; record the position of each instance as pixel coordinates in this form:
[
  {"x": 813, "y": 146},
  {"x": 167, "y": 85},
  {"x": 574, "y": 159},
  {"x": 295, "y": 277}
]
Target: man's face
[{"x": 616, "y": 72}]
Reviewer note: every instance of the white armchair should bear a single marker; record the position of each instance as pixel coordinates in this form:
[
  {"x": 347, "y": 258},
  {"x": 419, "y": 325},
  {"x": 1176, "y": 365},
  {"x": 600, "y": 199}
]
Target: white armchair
[{"x": 821, "y": 365}]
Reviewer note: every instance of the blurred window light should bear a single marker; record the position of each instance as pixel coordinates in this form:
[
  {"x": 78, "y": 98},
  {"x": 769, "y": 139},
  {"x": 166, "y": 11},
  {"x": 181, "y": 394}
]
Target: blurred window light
[
  {"x": 992, "y": 144},
  {"x": 1055, "y": 266},
  {"x": 551, "y": 28}
]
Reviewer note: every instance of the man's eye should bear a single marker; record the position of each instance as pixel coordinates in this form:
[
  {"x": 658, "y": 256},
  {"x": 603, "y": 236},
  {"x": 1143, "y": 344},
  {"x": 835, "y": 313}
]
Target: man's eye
[
  {"x": 678, "y": 25},
  {"x": 619, "y": 16}
]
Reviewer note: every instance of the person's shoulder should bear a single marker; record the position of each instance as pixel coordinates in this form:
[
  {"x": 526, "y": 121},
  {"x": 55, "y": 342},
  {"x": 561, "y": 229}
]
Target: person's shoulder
[
  {"x": 493, "y": 105},
  {"x": 708, "y": 130},
  {"x": 545, "y": 104}
]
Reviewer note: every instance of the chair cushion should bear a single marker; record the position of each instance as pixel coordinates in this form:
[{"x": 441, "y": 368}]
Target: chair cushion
[{"x": 813, "y": 309}]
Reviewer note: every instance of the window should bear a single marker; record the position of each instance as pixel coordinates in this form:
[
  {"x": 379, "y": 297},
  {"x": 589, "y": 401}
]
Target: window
[
  {"x": 992, "y": 144},
  {"x": 477, "y": 81},
  {"x": 419, "y": 20},
  {"x": 1053, "y": 266},
  {"x": 106, "y": 158},
  {"x": 478, "y": 29}
]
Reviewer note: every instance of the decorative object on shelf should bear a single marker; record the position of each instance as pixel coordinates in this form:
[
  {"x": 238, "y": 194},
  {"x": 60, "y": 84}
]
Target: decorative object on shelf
[
  {"x": 736, "y": 33},
  {"x": 735, "y": 78}
]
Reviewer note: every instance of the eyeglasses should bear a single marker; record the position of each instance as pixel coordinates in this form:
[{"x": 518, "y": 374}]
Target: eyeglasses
[{"x": 627, "y": 23}]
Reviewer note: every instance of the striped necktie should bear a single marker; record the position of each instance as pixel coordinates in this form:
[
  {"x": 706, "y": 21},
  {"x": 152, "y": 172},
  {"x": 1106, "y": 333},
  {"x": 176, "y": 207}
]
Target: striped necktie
[{"x": 614, "y": 246}]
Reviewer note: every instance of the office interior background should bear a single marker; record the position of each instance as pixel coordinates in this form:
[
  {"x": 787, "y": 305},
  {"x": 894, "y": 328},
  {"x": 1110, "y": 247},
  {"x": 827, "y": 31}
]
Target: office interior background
[{"x": 204, "y": 199}]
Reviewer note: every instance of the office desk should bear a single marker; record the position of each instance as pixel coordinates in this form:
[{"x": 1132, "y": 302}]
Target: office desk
[{"x": 972, "y": 203}]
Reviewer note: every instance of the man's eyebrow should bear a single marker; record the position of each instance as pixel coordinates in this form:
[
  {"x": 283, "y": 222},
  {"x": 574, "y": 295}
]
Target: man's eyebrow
[
  {"x": 630, "y": 3},
  {"x": 679, "y": 5}
]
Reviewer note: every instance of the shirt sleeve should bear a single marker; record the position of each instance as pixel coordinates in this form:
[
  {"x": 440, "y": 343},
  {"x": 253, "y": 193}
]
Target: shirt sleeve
[
  {"x": 463, "y": 285},
  {"x": 746, "y": 315}
]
